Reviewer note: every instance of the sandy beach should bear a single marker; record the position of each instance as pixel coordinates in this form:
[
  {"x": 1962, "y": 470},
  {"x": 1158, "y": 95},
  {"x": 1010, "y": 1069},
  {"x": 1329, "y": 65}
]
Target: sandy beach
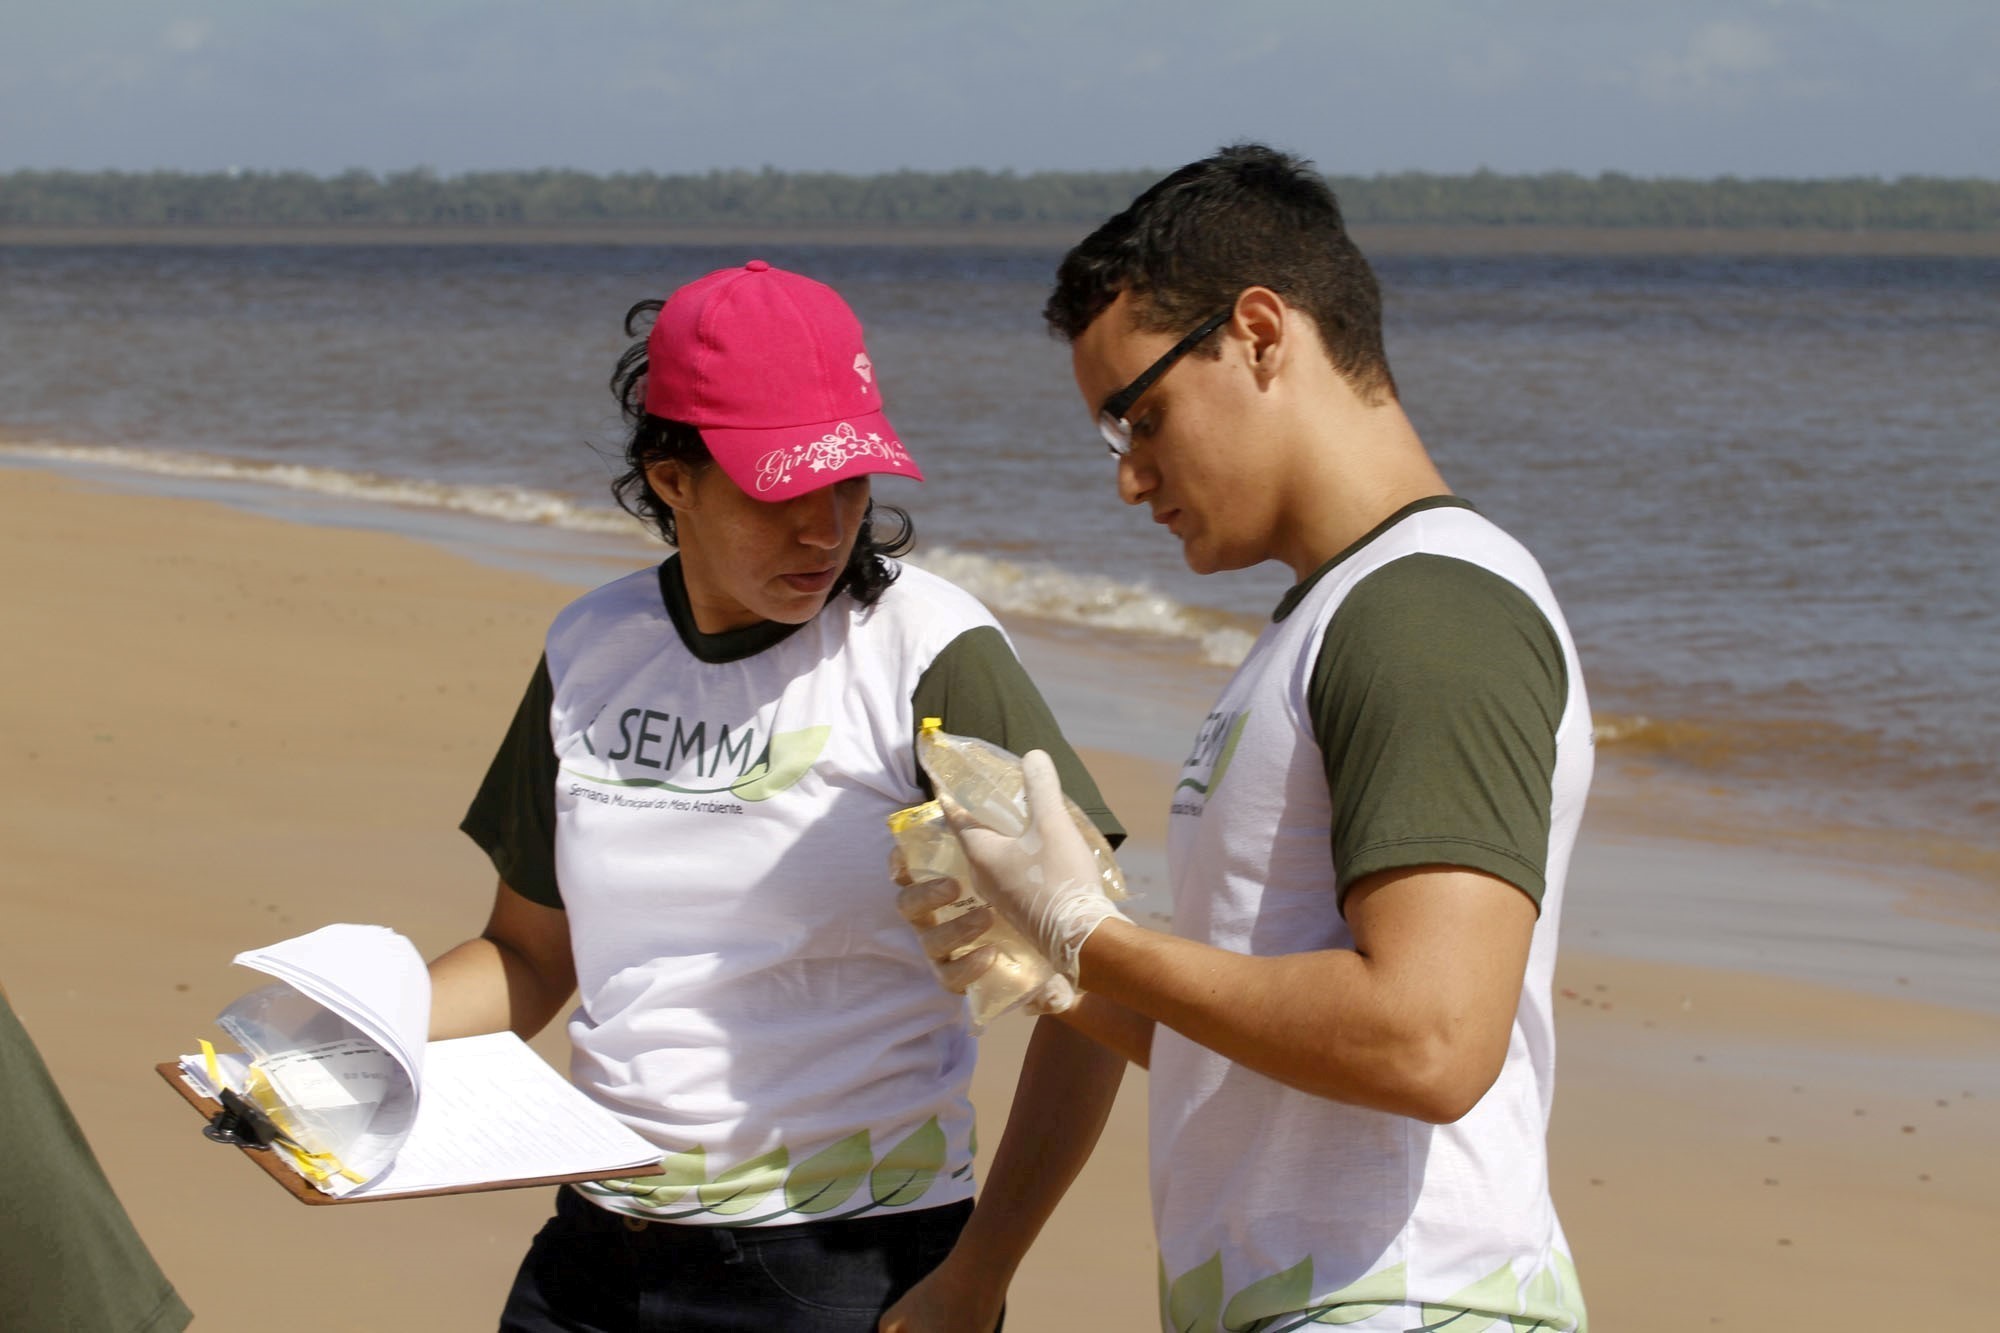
[{"x": 1779, "y": 1095}]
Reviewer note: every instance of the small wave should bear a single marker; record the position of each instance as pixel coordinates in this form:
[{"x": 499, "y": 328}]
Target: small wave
[
  {"x": 1043, "y": 590},
  {"x": 1796, "y": 752},
  {"x": 511, "y": 504},
  {"x": 1728, "y": 742},
  {"x": 1638, "y": 732},
  {"x": 1054, "y": 593},
  {"x": 1749, "y": 745}
]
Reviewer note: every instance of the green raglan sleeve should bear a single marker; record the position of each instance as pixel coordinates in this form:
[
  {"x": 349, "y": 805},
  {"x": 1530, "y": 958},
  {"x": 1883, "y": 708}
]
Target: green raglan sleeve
[
  {"x": 513, "y": 816},
  {"x": 977, "y": 687},
  {"x": 70, "y": 1258},
  {"x": 1435, "y": 699}
]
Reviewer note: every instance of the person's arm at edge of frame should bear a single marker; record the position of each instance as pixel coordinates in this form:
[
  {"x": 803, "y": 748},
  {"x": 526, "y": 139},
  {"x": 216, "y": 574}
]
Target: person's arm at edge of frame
[
  {"x": 516, "y": 973},
  {"x": 1414, "y": 1020},
  {"x": 1062, "y": 1100}
]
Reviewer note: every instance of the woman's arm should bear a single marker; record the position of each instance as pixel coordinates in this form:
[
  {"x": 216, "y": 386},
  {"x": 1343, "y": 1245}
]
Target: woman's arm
[
  {"x": 1061, "y": 1101},
  {"x": 516, "y": 974},
  {"x": 1109, "y": 1023}
]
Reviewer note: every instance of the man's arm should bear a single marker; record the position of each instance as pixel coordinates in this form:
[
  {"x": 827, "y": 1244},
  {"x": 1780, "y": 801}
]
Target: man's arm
[
  {"x": 1434, "y": 699},
  {"x": 1415, "y": 1019},
  {"x": 516, "y": 974},
  {"x": 1061, "y": 1101}
]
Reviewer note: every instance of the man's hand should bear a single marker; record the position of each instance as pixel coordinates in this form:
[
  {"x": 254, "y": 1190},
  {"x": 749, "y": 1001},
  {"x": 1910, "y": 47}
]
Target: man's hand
[{"x": 1045, "y": 881}]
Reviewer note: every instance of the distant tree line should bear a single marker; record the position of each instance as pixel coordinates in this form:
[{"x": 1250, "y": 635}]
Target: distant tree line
[{"x": 551, "y": 198}]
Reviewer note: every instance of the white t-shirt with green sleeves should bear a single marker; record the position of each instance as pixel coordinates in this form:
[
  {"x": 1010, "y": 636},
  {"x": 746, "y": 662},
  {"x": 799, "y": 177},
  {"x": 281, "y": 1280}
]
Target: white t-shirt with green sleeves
[
  {"x": 709, "y": 811},
  {"x": 1417, "y": 702}
]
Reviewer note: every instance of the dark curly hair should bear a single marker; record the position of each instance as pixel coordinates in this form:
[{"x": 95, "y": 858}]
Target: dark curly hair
[
  {"x": 870, "y": 568},
  {"x": 1248, "y": 216}
]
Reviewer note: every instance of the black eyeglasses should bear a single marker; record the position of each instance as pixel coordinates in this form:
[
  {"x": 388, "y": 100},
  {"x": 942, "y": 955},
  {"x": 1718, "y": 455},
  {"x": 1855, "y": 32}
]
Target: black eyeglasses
[{"x": 1111, "y": 422}]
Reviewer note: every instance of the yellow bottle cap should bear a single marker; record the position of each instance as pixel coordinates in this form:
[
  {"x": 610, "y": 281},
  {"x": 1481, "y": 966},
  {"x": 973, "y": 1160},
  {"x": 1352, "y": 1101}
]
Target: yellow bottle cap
[{"x": 911, "y": 816}]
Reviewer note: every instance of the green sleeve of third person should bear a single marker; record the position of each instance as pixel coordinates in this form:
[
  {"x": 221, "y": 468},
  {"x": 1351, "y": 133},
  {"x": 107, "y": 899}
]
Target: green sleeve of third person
[{"x": 70, "y": 1258}]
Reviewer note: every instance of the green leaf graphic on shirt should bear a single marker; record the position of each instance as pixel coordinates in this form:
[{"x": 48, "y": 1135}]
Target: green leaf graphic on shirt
[
  {"x": 1366, "y": 1298},
  {"x": 1573, "y": 1291},
  {"x": 679, "y": 1172},
  {"x": 786, "y": 760},
  {"x": 1222, "y": 758},
  {"x": 1194, "y": 1302},
  {"x": 1543, "y": 1291},
  {"x": 908, "y": 1169},
  {"x": 738, "y": 1189},
  {"x": 826, "y": 1178},
  {"x": 1228, "y": 751},
  {"x": 1543, "y": 1296},
  {"x": 1553, "y": 1298},
  {"x": 1479, "y": 1306},
  {"x": 1281, "y": 1293}
]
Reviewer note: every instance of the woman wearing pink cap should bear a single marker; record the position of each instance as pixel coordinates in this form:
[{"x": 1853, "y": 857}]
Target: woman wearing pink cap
[{"x": 687, "y": 817}]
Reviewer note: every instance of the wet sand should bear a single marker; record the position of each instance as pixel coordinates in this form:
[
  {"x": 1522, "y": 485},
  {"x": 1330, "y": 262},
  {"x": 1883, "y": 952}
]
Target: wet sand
[{"x": 224, "y": 729}]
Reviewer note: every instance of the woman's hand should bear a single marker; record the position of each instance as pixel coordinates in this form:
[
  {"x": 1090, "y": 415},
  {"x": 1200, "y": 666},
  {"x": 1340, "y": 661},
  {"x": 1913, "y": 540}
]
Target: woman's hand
[
  {"x": 1045, "y": 881},
  {"x": 957, "y": 950},
  {"x": 953, "y": 1298}
]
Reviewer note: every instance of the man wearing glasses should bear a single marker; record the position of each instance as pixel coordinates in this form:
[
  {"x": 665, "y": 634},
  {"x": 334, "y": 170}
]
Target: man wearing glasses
[{"x": 1349, "y": 1029}]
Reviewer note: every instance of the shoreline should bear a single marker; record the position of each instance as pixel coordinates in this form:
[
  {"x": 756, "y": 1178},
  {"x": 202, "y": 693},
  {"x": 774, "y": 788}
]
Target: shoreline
[
  {"x": 1928, "y": 875},
  {"x": 1683, "y": 781},
  {"x": 1402, "y": 239},
  {"x": 229, "y": 728}
]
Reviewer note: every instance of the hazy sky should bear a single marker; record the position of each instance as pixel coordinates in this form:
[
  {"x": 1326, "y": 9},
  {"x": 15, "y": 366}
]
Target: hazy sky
[{"x": 1652, "y": 87}]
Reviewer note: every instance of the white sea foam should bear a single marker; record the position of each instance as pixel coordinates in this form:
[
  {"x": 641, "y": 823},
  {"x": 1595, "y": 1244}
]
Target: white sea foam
[
  {"x": 1054, "y": 593},
  {"x": 1021, "y": 588},
  {"x": 511, "y": 504}
]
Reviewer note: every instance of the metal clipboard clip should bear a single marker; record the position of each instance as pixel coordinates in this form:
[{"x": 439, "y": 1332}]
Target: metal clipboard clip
[{"x": 242, "y": 1124}]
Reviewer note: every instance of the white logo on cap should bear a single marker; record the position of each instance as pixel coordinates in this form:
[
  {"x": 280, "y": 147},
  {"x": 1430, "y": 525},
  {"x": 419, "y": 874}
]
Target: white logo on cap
[
  {"x": 831, "y": 452},
  {"x": 865, "y": 369}
]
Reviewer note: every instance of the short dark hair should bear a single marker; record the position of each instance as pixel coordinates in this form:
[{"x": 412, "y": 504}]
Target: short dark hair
[
  {"x": 1248, "y": 216},
  {"x": 870, "y": 568}
]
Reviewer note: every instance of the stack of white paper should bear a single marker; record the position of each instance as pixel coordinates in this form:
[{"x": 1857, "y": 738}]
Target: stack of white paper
[{"x": 489, "y": 1112}]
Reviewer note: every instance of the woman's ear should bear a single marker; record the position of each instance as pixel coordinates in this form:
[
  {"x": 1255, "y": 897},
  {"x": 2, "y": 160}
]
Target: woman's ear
[{"x": 672, "y": 482}]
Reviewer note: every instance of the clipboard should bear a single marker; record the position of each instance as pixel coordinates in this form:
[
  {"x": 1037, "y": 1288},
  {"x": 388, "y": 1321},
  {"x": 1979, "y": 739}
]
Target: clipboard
[
  {"x": 273, "y": 1165},
  {"x": 458, "y": 1115}
]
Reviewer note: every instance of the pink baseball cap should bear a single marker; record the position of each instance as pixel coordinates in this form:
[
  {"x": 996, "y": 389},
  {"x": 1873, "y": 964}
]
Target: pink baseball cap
[{"x": 770, "y": 368}]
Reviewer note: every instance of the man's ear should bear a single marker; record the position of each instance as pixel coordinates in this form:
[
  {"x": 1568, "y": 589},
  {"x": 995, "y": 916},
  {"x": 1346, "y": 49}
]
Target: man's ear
[
  {"x": 1266, "y": 322},
  {"x": 672, "y": 481}
]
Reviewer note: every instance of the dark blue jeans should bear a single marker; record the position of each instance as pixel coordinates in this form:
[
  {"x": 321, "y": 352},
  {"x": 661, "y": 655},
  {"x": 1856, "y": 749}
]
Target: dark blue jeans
[{"x": 590, "y": 1271}]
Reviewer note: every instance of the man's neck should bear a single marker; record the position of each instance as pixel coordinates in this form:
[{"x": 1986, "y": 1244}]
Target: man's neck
[{"x": 1355, "y": 466}]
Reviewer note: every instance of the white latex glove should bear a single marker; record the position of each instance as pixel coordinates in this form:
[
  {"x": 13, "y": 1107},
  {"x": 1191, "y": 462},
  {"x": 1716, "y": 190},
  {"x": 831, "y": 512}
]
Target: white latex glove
[
  {"x": 958, "y": 950},
  {"x": 1044, "y": 881}
]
